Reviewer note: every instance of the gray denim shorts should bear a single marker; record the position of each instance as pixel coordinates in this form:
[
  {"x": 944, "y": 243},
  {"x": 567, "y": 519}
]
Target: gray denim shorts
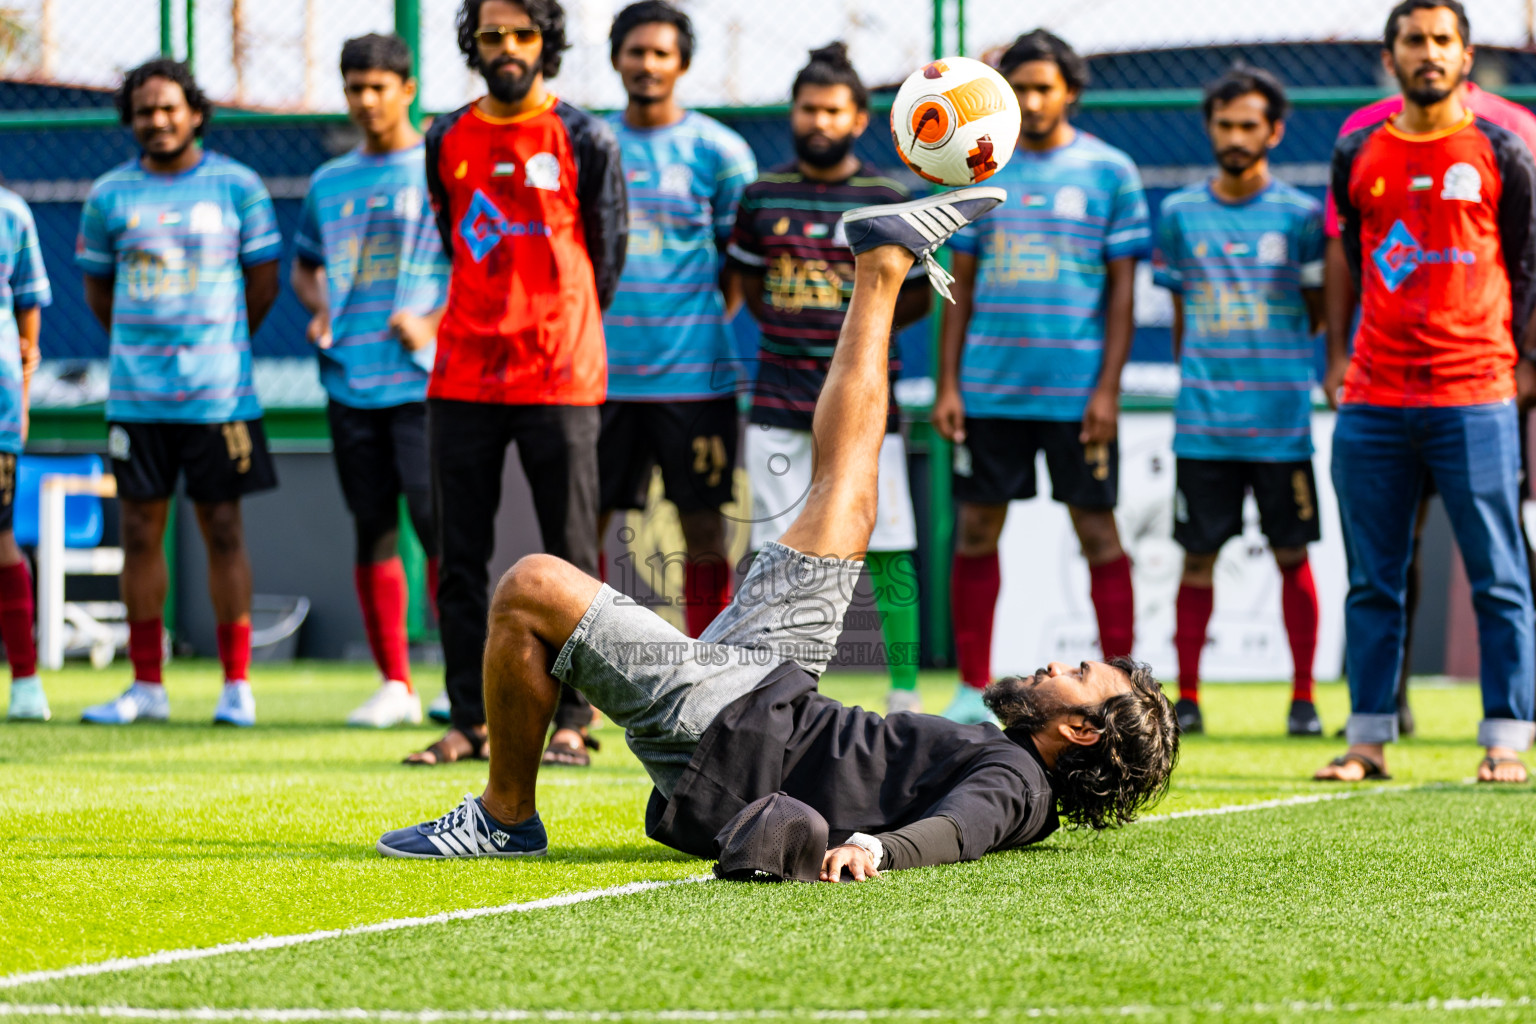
[{"x": 665, "y": 688}]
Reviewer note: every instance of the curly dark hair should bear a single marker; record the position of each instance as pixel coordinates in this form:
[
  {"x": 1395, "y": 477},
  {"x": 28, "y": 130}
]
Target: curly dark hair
[
  {"x": 652, "y": 12},
  {"x": 547, "y": 14},
  {"x": 1109, "y": 783},
  {"x": 171, "y": 71}
]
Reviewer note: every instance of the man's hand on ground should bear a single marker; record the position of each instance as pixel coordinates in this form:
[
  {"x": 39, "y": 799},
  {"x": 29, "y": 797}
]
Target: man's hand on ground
[
  {"x": 855, "y": 858},
  {"x": 949, "y": 415},
  {"x": 1101, "y": 420}
]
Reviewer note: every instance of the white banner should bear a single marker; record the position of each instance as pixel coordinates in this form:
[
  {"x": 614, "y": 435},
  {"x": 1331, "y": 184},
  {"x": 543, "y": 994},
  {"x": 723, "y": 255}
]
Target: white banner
[{"x": 1044, "y": 613}]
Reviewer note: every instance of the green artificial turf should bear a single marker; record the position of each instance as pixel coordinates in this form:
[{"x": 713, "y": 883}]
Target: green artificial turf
[{"x": 124, "y": 842}]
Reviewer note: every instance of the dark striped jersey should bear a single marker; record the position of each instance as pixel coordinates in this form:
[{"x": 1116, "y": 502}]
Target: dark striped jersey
[{"x": 789, "y": 231}]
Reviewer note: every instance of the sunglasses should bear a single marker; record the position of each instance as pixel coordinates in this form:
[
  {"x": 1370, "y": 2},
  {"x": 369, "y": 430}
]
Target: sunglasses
[{"x": 495, "y": 35}]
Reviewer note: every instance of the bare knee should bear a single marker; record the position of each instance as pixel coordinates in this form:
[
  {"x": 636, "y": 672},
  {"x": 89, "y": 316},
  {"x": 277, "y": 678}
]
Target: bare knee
[
  {"x": 979, "y": 527},
  {"x": 542, "y": 594},
  {"x": 142, "y": 529},
  {"x": 223, "y": 532},
  {"x": 1199, "y": 569}
]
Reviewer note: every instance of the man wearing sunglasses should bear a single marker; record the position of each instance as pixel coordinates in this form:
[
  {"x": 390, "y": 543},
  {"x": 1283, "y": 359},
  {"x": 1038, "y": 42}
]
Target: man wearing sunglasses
[{"x": 529, "y": 199}]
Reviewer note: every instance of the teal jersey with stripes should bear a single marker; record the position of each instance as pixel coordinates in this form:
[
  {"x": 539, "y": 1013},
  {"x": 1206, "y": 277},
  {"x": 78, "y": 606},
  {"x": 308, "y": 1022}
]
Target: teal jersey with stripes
[
  {"x": 23, "y": 285},
  {"x": 1035, "y": 343},
  {"x": 1246, "y": 366},
  {"x": 666, "y": 330},
  {"x": 176, "y": 246},
  {"x": 368, "y": 220}
]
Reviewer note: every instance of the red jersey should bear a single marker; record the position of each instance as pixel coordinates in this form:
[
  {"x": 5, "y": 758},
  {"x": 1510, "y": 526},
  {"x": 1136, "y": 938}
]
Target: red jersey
[
  {"x": 1437, "y": 230},
  {"x": 1481, "y": 102},
  {"x": 532, "y": 214}
]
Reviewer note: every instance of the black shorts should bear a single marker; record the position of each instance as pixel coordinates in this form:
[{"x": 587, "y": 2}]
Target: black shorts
[
  {"x": 380, "y": 455},
  {"x": 7, "y": 490},
  {"x": 1208, "y": 502},
  {"x": 693, "y": 442},
  {"x": 996, "y": 464},
  {"x": 223, "y": 461}
]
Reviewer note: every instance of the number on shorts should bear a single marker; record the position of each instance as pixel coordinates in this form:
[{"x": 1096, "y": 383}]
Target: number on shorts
[
  {"x": 237, "y": 441},
  {"x": 709, "y": 458}
]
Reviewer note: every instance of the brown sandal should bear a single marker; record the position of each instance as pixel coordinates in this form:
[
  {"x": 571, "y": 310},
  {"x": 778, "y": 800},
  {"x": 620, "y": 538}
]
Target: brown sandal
[
  {"x": 442, "y": 752},
  {"x": 1373, "y": 771},
  {"x": 1493, "y": 764},
  {"x": 570, "y": 755}
]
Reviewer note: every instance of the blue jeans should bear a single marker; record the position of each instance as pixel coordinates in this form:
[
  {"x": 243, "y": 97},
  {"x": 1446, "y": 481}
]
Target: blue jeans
[{"x": 1381, "y": 459}]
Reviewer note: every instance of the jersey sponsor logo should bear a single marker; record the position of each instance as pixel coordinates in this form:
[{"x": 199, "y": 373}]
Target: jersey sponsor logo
[
  {"x": 484, "y": 226},
  {"x": 207, "y": 218},
  {"x": 542, "y": 172},
  {"x": 1462, "y": 183},
  {"x": 1011, "y": 259},
  {"x": 793, "y": 284},
  {"x": 964, "y": 465},
  {"x": 118, "y": 445},
  {"x": 1400, "y": 254},
  {"x": 1274, "y": 250},
  {"x": 1071, "y": 202},
  {"x": 1215, "y": 309},
  {"x": 408, "y": 202},
  {"x": 677, "y": 180}
]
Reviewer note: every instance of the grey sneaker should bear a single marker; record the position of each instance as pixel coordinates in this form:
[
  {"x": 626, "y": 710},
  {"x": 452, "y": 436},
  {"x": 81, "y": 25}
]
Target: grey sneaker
[{"x": 921, "y": 226}]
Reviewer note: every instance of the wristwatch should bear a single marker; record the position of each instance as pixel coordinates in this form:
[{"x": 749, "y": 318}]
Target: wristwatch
[{"x": 869, "y": 844}]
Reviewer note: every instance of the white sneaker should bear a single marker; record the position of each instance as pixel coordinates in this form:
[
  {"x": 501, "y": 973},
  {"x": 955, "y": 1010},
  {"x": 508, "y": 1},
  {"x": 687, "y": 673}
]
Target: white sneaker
[
  {"x": 898, "y": 701},
  {"x": 236, "y": 705},
  {"x": 391, "y": 704},
  {"x": 441, "y": 709},
  {"x": 145, "y": 701},
  {"x": 28, "y": 702}
]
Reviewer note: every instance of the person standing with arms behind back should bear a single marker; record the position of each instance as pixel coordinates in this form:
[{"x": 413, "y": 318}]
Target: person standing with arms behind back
[
  {"x": 1435, "y": 207},
  {"x": 179, "y": 248},
  {"x": 24, "y": 291},
  {"x": 790, "y": 252},
  {"x": 369, "y": 267},
  {"x": 1032, "y": 351},
  {"x": 671, "y": 380},
  {"x": 1242, "y": 254},
  {"x": 529, "y": 200}
]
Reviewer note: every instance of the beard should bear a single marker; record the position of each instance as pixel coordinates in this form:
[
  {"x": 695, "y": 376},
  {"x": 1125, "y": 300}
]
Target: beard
[
  {"x": 1426, "y": 95},
  {"x": 641, "y": 99},
  {"x": 507, "y": 88},
  {"x": 1235, "y": 160},
  {"x": 821, "y": 151},
  {"x": 1040, "y": 130},
  {"x": 166, "y": 156},
  {"x": 1018, "y": 704}
]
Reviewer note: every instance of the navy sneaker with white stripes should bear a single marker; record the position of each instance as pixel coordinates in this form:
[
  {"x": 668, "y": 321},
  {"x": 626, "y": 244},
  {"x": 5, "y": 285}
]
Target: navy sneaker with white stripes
[
  {"x": 466, "y": 831},
  {"x": 921, "y": 226}
]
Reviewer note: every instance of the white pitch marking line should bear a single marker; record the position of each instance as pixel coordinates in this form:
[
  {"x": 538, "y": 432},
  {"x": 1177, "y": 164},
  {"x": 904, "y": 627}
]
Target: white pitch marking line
[
  {"x": 299, "y": 1015},
  {"x": 282, "y": 941}
]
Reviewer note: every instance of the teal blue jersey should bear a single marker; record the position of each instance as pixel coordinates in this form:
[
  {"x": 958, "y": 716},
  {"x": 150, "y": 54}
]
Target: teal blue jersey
[
  {"x": 1035, "y": 343},
  {"x": 666, "y": 331},
  {"x": 1246, "y": 365},
  {"x": 23, "y": 285},
  {"x": 176, "y": 246}
]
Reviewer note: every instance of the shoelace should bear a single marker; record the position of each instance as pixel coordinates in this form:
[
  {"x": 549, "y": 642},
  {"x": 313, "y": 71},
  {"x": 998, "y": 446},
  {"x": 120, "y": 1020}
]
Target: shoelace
[
  {"x": 940, "y": 278},
  {"x": 466, "y": 824}
]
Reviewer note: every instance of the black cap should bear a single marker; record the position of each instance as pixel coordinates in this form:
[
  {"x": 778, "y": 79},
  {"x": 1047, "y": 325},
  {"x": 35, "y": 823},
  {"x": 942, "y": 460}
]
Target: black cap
[{"x": 773, "y": 839}]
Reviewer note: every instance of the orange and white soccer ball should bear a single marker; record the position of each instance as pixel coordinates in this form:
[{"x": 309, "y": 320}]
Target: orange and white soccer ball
[{"x": 956, "y": 121}]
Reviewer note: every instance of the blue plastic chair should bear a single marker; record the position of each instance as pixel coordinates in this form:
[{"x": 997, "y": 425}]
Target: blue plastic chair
[{"x": 83, "y": 519}]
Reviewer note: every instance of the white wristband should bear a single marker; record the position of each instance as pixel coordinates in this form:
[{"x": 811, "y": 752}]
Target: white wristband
[{"x": 869, "y": 844}]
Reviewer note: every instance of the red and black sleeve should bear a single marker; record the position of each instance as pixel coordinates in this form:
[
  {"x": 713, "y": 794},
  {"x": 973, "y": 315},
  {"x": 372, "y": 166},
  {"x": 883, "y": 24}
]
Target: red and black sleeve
[
  {"x": 1345, "y": 152},
  {"x": 436, "y": 190},
  {"x": 1517, "y": 239},
  {"x": 601, "y": 192}
]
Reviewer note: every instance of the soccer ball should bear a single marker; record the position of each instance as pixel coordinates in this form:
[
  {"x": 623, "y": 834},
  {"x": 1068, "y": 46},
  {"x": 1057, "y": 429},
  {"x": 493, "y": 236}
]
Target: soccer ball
[{"x": 956, "y": 121}]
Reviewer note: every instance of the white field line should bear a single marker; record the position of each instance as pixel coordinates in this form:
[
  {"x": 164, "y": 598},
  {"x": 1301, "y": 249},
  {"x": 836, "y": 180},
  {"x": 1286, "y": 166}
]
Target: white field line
[
  {"x": 282, "y": 941},
  {"x": 299, "y": 1016},
  {"x": 174, "y": 956}
]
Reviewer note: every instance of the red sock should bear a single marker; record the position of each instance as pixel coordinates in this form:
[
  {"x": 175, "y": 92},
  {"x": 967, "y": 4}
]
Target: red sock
[
  {"x": 146, "y": 649},
  {"x": 432, "y": 586},
  {"x": 1115, "y": 603},
  {"x": 1298, "y": 601},
  {"x": 975, "y": 582},
  {"x": 381, "y": 592},
  {"x": 706, "y": 591},
  {"x": 16, "y": 619},
  {"x": 1192, "y": 615},
  {"x": 235, "y": 650}
]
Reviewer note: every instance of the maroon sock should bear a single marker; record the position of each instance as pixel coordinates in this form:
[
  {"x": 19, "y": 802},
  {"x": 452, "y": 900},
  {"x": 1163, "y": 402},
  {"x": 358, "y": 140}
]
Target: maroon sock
[
  {"x": 1192, "y": 615},
  {"x": 706, "y": 591},
  {"x": 1298, "y": 601},
  {"x": 381, "y": 592},
  {"x": 976, "y": 580},
  {"x": 1115, "y": 603},
  {"x": 16, "y": 619},
  {"x": 432, "y": 564},
  {"x": 235, "y": 650},
  {"x": 146, "y": 649}
]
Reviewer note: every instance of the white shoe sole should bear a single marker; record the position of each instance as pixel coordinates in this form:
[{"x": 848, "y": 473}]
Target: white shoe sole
[
  {"x": 390, "y": 851},
  {"x": 926, "y": 202},
  {"x": 46, "y": 716}
]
